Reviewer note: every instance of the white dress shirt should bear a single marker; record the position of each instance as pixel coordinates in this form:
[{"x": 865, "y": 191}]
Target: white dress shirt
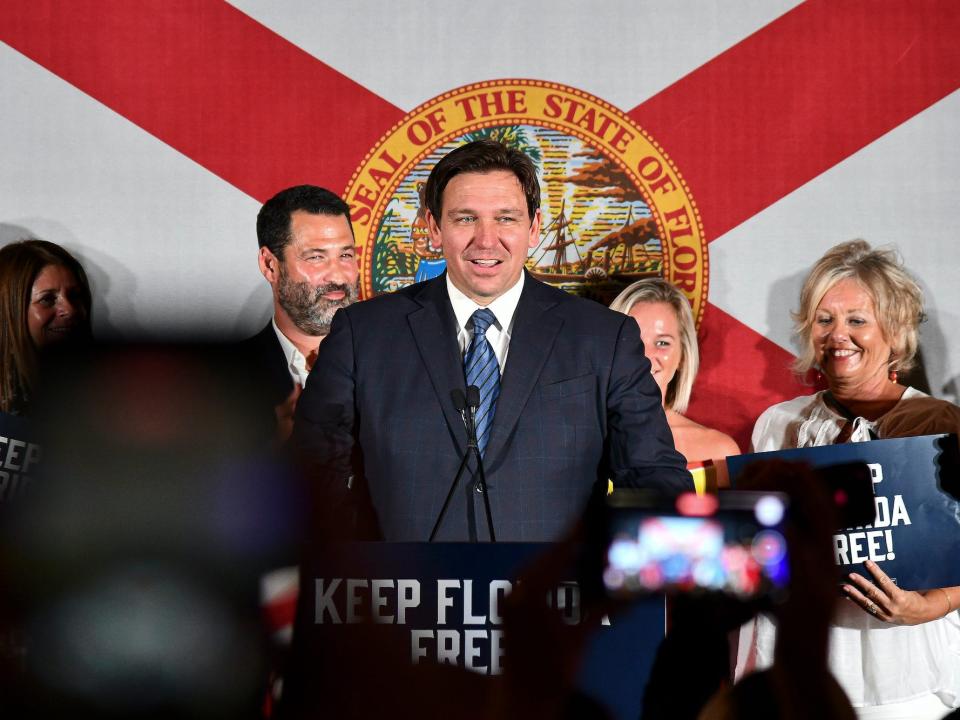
[
  {"x": 296, "y": 362},
  {"x": 498, "y": 334}
]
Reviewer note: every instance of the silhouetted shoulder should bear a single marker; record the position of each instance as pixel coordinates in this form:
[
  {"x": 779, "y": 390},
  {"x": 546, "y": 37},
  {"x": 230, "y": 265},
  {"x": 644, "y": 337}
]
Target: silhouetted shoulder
[
  {"x": 400, "y": 301},
  {"x": 590, "y": 314}
]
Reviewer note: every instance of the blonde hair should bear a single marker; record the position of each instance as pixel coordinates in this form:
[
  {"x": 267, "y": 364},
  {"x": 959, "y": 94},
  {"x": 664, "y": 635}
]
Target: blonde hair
[
  {"x": 657, "y": 290},
  {"x": 897, "y": 299}
]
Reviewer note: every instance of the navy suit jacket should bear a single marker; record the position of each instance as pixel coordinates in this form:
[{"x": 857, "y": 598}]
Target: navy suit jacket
[
  {"x": 266, "y": 360},
  {"x": 577, "y": 407}
]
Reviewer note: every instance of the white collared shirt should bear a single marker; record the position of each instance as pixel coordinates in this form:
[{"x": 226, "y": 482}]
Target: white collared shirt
[
  {"x": 296, "y": 362},
  {"x": 498, "y": 334}
]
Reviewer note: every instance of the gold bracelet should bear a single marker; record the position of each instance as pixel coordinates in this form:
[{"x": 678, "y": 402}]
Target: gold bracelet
[{"x": 949, "y": 601}]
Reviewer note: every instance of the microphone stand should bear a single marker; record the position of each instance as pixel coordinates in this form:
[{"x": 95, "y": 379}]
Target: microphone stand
[
  {"x": 473, "y": 402},
  {"x": 466, "y": 405},
  {"x": 460, "y": 403}
]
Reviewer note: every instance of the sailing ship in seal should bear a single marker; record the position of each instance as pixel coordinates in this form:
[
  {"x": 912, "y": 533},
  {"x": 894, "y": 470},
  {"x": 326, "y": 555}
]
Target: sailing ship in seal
[{"x": 630, "y": 253}]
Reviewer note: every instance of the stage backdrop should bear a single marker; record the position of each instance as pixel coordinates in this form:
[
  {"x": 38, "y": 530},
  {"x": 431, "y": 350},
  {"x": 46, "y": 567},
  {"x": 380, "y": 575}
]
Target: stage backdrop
[{"x": 724, "y": 146}]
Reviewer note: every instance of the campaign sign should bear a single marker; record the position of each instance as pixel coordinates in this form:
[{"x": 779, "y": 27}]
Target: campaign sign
[
  {"x": 915, "y": 535},
  {"x": 19, "y": 456},
  {"x": 443, "y": 603}
]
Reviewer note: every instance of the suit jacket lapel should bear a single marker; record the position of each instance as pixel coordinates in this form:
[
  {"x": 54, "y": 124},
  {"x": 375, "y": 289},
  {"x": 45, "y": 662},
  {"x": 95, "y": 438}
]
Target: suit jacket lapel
[
  {"x": 530, "y": 344},
  {"x": 434, "y": 329}
]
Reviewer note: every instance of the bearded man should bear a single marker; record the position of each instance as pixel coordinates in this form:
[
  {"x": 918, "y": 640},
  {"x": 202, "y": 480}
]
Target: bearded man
[{"x": 307, "y": 255}]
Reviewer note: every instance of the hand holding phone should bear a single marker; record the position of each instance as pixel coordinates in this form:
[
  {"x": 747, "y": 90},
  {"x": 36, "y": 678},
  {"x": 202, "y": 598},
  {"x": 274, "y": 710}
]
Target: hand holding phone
[{"x": 733, "y": 543}]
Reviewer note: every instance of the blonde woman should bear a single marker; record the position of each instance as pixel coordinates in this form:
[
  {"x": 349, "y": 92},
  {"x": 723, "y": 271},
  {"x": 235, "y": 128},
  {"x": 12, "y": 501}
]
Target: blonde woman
[
  {"x": 895, "y": 652},
  {"x": 670, "y": 343}
]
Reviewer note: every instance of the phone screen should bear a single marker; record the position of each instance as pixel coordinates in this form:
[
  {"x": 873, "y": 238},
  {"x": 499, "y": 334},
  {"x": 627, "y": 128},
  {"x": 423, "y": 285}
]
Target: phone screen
[{"x": 733, "y": 544}]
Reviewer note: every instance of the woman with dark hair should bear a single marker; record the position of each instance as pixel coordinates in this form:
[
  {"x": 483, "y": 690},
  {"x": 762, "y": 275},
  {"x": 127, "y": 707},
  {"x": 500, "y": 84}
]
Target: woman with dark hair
[
  {"x": 44, "y": 302},
  {"x": 895, "y": 652}
]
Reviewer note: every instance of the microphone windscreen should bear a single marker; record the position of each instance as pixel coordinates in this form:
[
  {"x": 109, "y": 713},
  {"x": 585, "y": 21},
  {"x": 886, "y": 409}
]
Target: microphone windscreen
[
  {"x": 459, "y": 401},
  {"x": 473, "y": 396}
]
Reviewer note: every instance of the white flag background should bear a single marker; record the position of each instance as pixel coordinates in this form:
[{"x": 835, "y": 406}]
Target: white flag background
[{"x": 144, "y": 137}]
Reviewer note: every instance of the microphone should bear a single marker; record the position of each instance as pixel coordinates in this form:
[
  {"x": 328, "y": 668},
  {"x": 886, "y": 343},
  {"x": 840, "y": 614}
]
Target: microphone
[
  {"x": 459, "y": 402},
  {"x": 466, "y": 404},
  {"x": 473, "y": 403},
  {"x": 473, "y": 397}
]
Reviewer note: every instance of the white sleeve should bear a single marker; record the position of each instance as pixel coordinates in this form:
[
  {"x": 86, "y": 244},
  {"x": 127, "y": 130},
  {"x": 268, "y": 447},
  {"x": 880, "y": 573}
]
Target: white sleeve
[{"x": 762, "y": 438}]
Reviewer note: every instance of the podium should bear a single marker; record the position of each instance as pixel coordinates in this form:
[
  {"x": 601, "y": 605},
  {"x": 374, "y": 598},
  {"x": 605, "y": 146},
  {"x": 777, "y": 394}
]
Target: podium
[{"x": 416, "y": 603}]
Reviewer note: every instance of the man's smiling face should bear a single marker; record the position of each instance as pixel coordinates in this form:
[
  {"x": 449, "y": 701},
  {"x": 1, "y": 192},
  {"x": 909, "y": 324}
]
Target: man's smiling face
[
  {"x": 485, "y": 231},
  {"x": 318, "y": 272}
]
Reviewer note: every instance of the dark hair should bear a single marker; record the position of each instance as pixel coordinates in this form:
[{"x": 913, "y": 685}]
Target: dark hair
[
  {"x": 273, "y": 220},
  {"x": 482, "y": 156},
  {"x": 20, "y": 264}
]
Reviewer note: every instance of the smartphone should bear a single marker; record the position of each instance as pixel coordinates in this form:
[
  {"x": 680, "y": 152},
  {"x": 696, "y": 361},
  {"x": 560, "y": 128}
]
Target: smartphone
[{"x": 732, "y": 543}]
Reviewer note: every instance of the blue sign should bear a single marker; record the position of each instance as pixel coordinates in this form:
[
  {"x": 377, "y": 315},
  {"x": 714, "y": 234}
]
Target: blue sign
[
  {"x": 915, "y": 535},
  {"x": 443, "y": 603}
]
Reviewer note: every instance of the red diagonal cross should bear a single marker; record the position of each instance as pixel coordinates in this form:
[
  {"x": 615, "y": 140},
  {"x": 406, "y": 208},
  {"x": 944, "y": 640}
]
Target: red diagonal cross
[
  {"x": 747, "y": 128},
  {"x": 210, "y": 82},
  {"x": 770, "y": 114},
  {"x": 800, "y": 95}
]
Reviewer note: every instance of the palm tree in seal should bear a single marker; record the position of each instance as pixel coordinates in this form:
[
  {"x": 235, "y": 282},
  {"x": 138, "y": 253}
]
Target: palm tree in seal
[{"x": 513, "y": 136}]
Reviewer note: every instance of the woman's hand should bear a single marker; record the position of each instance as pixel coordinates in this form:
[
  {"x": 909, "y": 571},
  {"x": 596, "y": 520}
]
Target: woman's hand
[{"x": 885, "y": 601}]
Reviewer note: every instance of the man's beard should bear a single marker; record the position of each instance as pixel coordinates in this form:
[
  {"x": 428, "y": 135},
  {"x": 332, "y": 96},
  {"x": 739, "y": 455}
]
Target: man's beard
[{"x": 307, "y": 307}]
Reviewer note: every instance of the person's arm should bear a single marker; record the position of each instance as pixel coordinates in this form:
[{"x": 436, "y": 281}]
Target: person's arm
[
  {"x": 885, "y": 601},
  {"x": 640, "y": 449},
  {"x": 324, "y": 427}
]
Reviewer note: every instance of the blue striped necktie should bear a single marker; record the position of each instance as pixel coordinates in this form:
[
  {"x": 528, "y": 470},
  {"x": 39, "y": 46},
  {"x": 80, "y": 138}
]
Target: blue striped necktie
[{"x": 482, "y": 370}]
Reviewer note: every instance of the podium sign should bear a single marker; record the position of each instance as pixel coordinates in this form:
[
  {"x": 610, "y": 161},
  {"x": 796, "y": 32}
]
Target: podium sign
[
  {"x": 915, "y": 535},
  {"x": 443, "y": 603}
]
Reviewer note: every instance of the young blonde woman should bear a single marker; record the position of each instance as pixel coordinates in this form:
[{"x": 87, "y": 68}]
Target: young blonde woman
[{"x": 670, "y": 343}]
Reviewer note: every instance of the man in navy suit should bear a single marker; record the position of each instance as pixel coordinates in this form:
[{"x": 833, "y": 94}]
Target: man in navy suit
[{"x": 567, "y": 400}]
